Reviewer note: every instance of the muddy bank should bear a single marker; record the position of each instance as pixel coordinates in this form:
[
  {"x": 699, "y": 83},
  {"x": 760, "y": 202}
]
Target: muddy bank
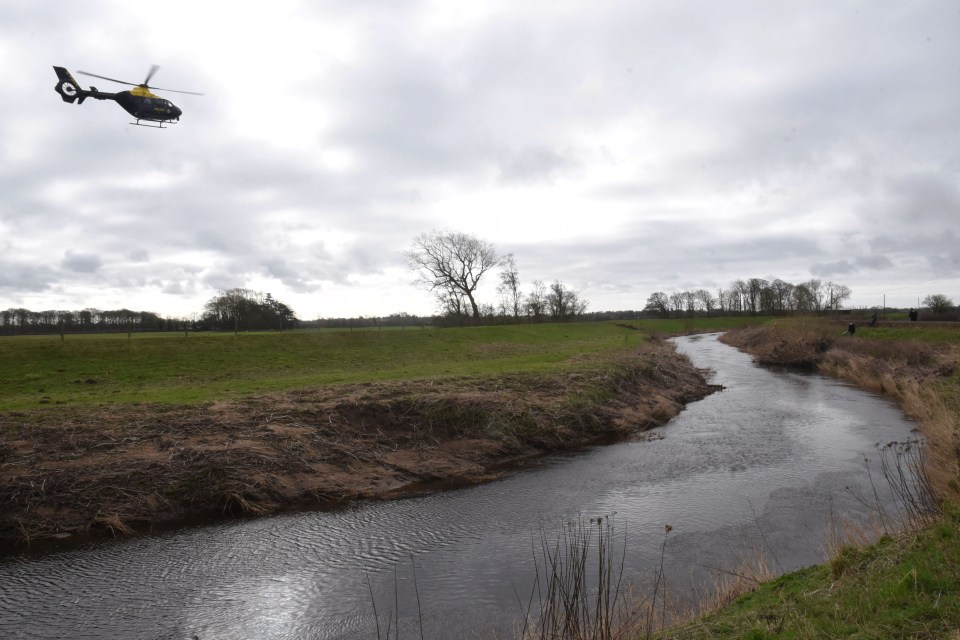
[{"x": 119, "y": 469}]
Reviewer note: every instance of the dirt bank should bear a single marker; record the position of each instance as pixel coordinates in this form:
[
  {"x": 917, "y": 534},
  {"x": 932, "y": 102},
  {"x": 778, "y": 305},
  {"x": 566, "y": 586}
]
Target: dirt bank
[{"x": 117, "y": 469}]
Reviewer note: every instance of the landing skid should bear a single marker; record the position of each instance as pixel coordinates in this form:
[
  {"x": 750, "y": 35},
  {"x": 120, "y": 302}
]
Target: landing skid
[{"x": 159, "y": 124}]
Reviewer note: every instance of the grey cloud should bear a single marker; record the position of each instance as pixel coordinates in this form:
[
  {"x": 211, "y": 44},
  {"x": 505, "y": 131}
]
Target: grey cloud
[
  {"x": 833, "y": 269},
  {"x": 288, "y": 275},
  {"x": 81, "y": 262},
  {"x": 873, "y": 262},
  {"x": 534, "y": 164},
  {"x": 20, "y": 277}
]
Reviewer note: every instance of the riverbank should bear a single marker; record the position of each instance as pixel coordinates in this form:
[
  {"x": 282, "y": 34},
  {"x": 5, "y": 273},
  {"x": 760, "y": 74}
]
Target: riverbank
[
  {"x": 115, "y": 469},
  {"x": 876, "y": 584}
]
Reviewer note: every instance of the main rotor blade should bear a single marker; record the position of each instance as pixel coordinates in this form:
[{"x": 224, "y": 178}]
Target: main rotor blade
[
  {"x": 153, "y": 70},
  {"x": 93, "y": 75},
  {"x": 192, "y": 93}
]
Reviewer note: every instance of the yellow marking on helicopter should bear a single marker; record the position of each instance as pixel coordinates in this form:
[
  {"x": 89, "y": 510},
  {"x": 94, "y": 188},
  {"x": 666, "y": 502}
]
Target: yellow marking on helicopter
[{"x": 142, "y": 92}]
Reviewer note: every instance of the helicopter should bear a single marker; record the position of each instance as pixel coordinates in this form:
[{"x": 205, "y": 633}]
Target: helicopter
[{"x": 139, "y": 102}]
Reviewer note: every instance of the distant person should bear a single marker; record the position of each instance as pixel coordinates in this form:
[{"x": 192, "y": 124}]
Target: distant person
[
  {"x": 913, "y": 314},
  {"x": 873, "y": 319},
  {"x": 851, "y": 328}
]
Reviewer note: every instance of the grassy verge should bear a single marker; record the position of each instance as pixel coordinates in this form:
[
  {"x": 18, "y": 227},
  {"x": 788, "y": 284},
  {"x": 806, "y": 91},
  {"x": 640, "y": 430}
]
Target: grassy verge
[{"x": 904, "y": 586}]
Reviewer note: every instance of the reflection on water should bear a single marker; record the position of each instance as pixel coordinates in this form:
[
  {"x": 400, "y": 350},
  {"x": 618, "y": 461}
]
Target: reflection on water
[{"x": 772, "y": 453}]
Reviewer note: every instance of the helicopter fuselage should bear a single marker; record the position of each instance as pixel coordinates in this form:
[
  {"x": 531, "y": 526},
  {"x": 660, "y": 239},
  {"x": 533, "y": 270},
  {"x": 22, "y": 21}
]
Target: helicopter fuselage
[{"x": 144, "y": 105}]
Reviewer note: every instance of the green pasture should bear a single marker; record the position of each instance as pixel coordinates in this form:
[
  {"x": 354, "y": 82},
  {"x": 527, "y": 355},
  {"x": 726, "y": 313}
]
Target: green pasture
[
  {"x": 681, "y": 326},
  {"x": 933, "y": 332},
  {"x": 200, "y": 367}
]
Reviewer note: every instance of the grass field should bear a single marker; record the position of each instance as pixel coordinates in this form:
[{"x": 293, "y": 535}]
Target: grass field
[{"x": 173, "y": 368}]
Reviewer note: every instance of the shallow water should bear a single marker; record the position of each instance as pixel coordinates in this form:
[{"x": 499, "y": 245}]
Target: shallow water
[{"x": 758, "y": 466}]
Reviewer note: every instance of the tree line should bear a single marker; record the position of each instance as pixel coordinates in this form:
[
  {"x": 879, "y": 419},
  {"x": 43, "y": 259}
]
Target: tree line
[
  {"x": 24, "y": 321},
  {"x": 754, "y": 296},
  {"x": 231, "y": 310}
]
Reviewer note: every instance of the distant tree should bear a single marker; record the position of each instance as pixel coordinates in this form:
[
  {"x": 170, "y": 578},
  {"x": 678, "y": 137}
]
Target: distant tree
[
  {"x": 705, "y": 301},
  {"x": 564, "y": 303},
  {"x": 451, "y": 262},
  {"x": 781, "y": 291},
  {"x": 453, "y": 304},
  {"x": 734, "y": 296},
  {"x": 536, "y": 301},
  {"x": 938, "y": 303},
  {"x": 801, "y": 299},
  {"x": 659, "y": 304},
  {"x": 835, "y": 295},
  {"x": 755, "y": 290},
  {"x": 816, "y": 291},
  {"x": 509, "y": 287},
  {"x": 243, "y": 310},
  {"x": 677, "y": 301},
  {"x": 743, "y": 295},
  {"x": 691, "y": 303}
]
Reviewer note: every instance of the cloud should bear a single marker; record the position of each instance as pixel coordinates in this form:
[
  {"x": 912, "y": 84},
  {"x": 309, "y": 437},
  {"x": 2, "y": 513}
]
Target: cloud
[
  {"x": 534, "y": 165},
  {"x": 81, "y": 262}
]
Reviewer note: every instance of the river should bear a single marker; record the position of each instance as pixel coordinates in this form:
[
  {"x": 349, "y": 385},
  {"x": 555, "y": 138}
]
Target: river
[{"x": 757, "y": 467}]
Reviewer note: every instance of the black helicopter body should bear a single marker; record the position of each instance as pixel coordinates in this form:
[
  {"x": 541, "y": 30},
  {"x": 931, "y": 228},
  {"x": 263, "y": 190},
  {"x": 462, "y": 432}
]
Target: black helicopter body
[{"x": 139, "y": 101}]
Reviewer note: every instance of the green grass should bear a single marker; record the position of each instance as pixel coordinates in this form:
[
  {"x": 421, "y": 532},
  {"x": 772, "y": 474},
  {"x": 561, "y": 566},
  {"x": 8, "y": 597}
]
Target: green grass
[
  {"x": 173, "y": 368},
  {"x": 936, "y": 333},
  {"x": 908, "y": 588},
  {"x": 680, "y": 326}
]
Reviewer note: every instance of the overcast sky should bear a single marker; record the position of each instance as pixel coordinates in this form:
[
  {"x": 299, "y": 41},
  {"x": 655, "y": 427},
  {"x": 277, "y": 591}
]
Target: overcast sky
[{"x": 620, "y": 147}]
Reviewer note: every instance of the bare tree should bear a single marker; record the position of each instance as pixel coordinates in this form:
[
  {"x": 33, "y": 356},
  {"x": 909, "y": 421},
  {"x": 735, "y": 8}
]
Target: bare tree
[
  {"x": 836, "y": 294},
  {"x": 755, "y": 289},
  {"x": 451, "y": 261},
  {"x": 536, "y": 302},
  {"x": 453, "y": 304},
  {"x": 742, "y": 290},
  {"x": 781, "y": 291},
  {"x": 677, "y": 300},
  {"x": 801, "y": 299},
  {"x": 658, "y": 303},
  {"x": 564, "y": 303},
  {"x": 705, "y": 300},
  {"x": 938, "y": 303},
  {"x": 816, "y": 290},
  {"x": 509, "y": 287},
  {"x": 690, "y": 301}
]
